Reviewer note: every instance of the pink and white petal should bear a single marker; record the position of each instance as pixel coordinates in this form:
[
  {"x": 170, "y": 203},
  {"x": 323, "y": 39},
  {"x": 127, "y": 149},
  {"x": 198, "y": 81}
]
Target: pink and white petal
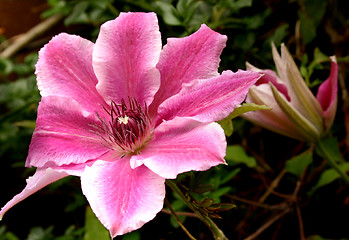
[
  {"x": 122, "y": 198},
  {"x": 183, "y": 60},
  {"x": 275, "y": 119},
  {"x": 182, "y": 145},
  {"x": 327, "y": 95},
  {"x": 40, "y": 179},
  {"x": 125, "y": 55},
  {"x": 301, "y": 97},
  {"x": 211, "y": 99},
  {"x": 63, "y": 134},
  {"x": 65, "y": 69},
  {"x": 269, "y": 76}
]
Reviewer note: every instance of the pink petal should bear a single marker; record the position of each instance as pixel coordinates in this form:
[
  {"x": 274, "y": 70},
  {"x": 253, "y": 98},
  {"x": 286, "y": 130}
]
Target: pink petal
[
  {"x": 122, "y": 198},
  {"x": 210, "y": 99},
  {"x": 269, "y": 76},
  {"x": 275, "y": 119},
  {"x": 125, "y": 56},
  {"x": 185, "y": 59},
  {"x": 63, "y": 134},
  {"x": 40, "y": 179},
  {"x": 65, "y": 69},
  {"x": 182, "y": 145},
  {"x": 327, "y": 95}
]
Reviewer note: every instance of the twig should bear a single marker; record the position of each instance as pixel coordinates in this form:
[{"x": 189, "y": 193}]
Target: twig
[
  {"x": 257, "y": 204},
  {"x": 267, "y": 224},
  {"x": 298, "y": 210},
  {"x": 273, "y": 185},
  {"x": 300, "y": 221},
  {"x": 187, "y": 214},
  {"x": 217, "y": 233},
  {"x": 179, "y": 221},
  {"x": 33, "y": 33}
]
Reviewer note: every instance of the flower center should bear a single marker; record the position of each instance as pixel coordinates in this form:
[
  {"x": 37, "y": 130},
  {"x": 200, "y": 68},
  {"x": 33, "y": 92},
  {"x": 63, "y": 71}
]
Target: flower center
[{"x": 128, "y": 129}]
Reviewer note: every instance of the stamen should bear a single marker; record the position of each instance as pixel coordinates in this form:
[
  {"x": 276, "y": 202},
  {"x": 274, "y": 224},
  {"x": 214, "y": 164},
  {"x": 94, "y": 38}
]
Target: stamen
[{"x": 129, "y": 128}]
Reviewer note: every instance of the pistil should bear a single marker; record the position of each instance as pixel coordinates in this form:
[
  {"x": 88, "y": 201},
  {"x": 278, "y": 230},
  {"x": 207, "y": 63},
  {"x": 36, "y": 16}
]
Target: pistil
[{"x": 128, "y": 129}]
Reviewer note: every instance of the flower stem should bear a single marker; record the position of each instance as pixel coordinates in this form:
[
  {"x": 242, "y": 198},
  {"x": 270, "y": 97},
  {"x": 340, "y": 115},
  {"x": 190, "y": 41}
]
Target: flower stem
[
  {"x": 178, "y": 221},
  {"x": 217, "y": 233},
  {"x": 329, "y": 157}
]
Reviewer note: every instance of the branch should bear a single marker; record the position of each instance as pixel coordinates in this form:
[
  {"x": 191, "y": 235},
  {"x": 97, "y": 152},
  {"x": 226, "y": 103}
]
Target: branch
[{"x": 33, "y": 33}]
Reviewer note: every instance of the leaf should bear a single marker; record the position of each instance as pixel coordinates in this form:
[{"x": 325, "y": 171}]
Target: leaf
[
  {"x": 206, "y": 203},
  {"x": 330, "y": 145},
  {"x": 187, "y": 8},
  {"x": 169, "y": 13},
  {"x": 25, "y": 123},
  {"x": 247, "y": 107},
  {"x": 237, "y": 155},
  {"x": 39, "y": 233},
  {"x": 227, "y": 126},
  {"x": 135, "y": 235},
  {"x": 226, "y": 123},
  {"x": 298, "y": 164},
  {"x": 78, "y": 14},
  {"x": 230, "y": 175},
  {"x": 320, "y": 57},
  {"x": 94, "y": 228},
  {"x": 329, "y": 176},
  {"x": 236, "y": 5},
  {"x": 316, "y": 9},
  {"x": 308, "y": 28},
  {"x": 202, "y": 188},
  {"x": 279, "y": 35}
]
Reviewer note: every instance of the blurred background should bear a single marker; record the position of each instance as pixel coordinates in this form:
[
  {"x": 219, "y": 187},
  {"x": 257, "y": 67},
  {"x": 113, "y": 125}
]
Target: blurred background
[{"x": 268, "y": 197}]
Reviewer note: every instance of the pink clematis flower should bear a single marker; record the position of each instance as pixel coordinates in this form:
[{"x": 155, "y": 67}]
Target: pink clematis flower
[
  {"x": 124, "y": 114},
  {"x": 296, "y": 112}
]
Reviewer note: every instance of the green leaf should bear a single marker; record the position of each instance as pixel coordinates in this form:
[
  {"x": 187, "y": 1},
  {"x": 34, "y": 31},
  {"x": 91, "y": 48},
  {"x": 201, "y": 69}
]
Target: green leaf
[
  {"x": 237, "y": 155},
  {"x": 320, "y": 57},
  {"x": 5, "y": 235},
  {"x": 39, "y": 233},
  {"x": 236, "y": 5},
  {"x": 330, "y": 145},
  {"x": 25, "y": 123},
  {"x": 227, "y": 126},
  {"x": 169, "y": 13},
  {"x": 297, "y": 164},
  {"x": 187, "y": 8},
  {"x": 6, "y": 66},
  {"x": 93, "y": 227},
  {"x": 308, "y": 28},
  {"x": 229, "y": 175},
  {"x": 78, "y": 14},
  {"x": 279, "y": 35},
  {"x": 329, "y": 176},
  {"x": 226, "y": 123},
  {"x": 316, "y": 9},
  {"x": 135, "y": 235},
  {"x": 247, "y": 107}
]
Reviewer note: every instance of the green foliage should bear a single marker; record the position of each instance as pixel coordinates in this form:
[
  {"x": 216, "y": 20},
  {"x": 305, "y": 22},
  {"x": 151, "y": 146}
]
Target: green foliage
[
  {"x": 237, "y": 155},
  {"x": 132, "y": 236},
  {"x": 93, "y": 227},
  {"x": 328, "y": 176},
  {"x": 5, "y": 235},
  {"x": 298, "y": 164},
  {"x": 82, "y": 11},
  {"x": 227, "y": 124},
  {"x": 331, "y": 149}
]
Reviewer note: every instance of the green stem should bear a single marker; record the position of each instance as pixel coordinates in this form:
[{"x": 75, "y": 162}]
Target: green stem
[
  {"x": 325, "y": 154},
  {"x": 217, "y": 233}
]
